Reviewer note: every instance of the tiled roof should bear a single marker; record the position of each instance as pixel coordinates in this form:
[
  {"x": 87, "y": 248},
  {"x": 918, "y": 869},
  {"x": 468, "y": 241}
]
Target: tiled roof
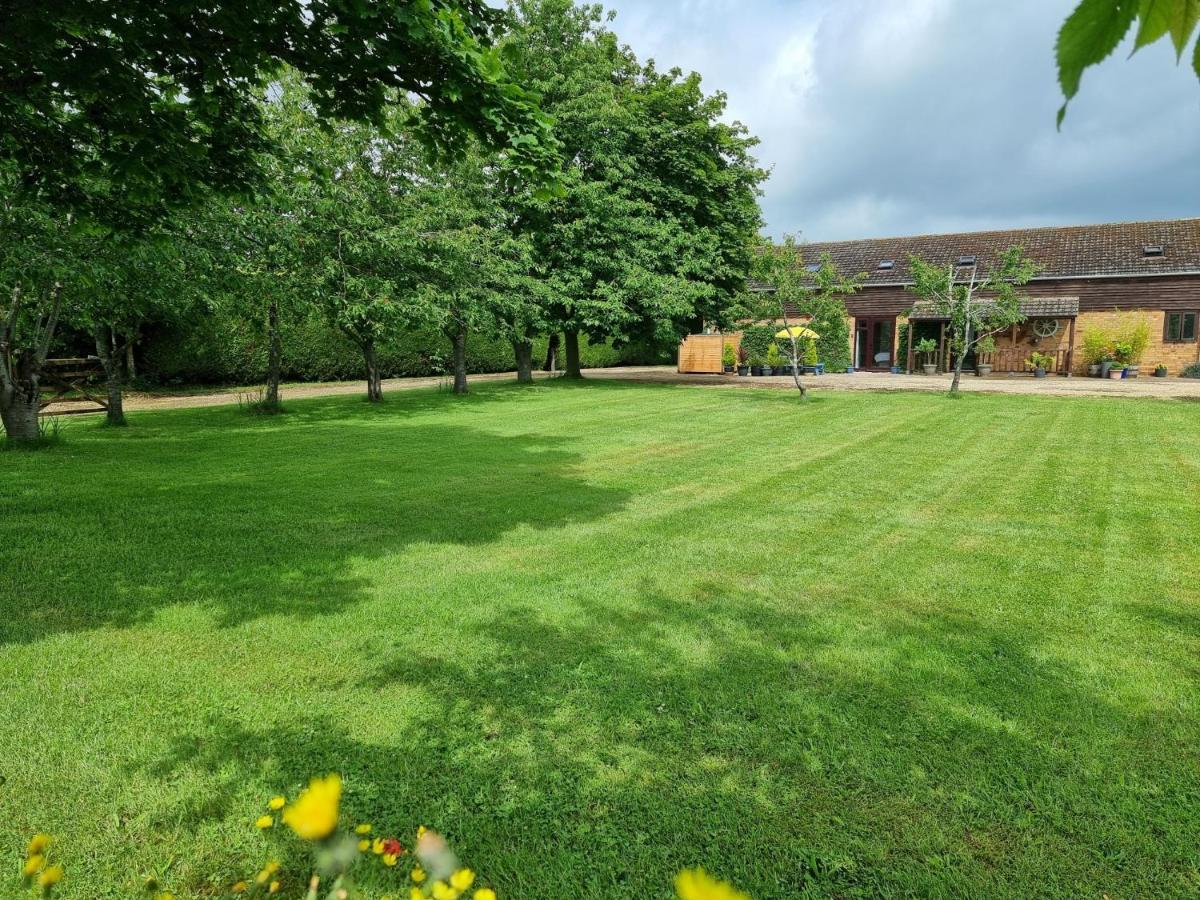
[
  {"x": 1031, "y": 308},
  {"x": 1084, "y": 251}
]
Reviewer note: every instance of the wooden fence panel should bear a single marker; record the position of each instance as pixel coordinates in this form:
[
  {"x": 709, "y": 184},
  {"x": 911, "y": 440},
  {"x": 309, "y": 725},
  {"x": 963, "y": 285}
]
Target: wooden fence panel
[{"x": 701, "y": 353}]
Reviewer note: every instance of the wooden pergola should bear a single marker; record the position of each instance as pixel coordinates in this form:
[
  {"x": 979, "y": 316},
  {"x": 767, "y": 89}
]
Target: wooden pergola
[{"x": 1012, "y": 357}]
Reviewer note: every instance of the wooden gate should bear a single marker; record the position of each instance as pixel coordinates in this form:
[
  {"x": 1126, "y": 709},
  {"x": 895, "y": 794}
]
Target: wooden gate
[{"x": 70, "y": 381}]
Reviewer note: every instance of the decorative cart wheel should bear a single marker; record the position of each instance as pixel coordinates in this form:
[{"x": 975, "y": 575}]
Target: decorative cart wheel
[{"x": 1045, "y": 328}]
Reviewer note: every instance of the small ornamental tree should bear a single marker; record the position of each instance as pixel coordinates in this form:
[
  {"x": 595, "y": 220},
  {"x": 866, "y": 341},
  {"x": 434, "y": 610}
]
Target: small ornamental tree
[
  {"x": 978, "y": 306},
  {"x": 814, "y": 295}
]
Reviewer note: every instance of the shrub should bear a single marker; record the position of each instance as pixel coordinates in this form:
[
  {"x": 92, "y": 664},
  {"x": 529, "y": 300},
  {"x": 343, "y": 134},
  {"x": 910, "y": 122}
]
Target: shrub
[
  {"x": 774, "y": 358},
  {"x": 1040, "y": 360},
  {"x": 810, "y": 352},
  {"x": 1096, "y": 346},
  {"x": 1192, "y": 371},
  {"x": 728, "y": 356},
  {"x": 756, "y": 339}
]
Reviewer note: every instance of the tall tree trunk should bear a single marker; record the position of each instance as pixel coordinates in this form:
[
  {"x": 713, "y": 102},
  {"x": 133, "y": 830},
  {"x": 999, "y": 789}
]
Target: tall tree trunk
[
  {"x": 21, "y": 369},
  {"x": 112, "y": 358},
  {"x": 571, "y": 345},
  {"x": 274, "y": 356},
  {"x": 551, "y": 354},
  {"x": 459, "y": 340},
  {"x": 523, "y": 350},
  {"x": 19, "y": 404},
  {"x": 374, "y": 382},
  {"x": 958, "y": 360}
]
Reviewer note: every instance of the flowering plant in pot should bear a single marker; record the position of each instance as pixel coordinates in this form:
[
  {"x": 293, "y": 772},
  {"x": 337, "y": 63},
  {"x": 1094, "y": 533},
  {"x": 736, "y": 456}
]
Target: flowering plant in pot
[{"x": 1160, "y": 371}]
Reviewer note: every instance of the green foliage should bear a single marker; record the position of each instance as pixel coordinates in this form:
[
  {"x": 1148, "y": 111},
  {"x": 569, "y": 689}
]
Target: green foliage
[
  {"x": 728, "y": 355},
  {"x": 774, "y": 359},
  {"x": 1038, "y": 360},
  {"x": 1096, "y": 28},
  {"x": 755, "y": 341},
  {"x": 1096, "y": 346},
  {"x": 810, "y": 356},
  {"x": 1191, "y": 371},
  {"x": 120, "y": 110},
  {"x": 926, "y": 347},
  {"x": 986, "y": 344}
]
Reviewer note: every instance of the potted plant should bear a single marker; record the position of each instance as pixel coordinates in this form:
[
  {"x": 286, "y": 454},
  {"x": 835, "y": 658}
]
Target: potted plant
[
  {"x": 927, "y": 347},
  {"x": 774, "y": 360},
  {"x": 1160, "y": 371},
  {"x": 728, "y": 358},
  {"x": 1096, "y": 351},
  {"x": 985, "y": 347},
  {"x": 756, "y": 363},
  {"x": 1134, "y": 341},
  {"x": 811, "y": 366},
  {"x": 1039, "y": 362},
  {"x": 743, "y": 358}
]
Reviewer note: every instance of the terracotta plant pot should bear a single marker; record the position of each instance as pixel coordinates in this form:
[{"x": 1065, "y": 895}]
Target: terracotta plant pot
[{"x": 1116, "y": 373}]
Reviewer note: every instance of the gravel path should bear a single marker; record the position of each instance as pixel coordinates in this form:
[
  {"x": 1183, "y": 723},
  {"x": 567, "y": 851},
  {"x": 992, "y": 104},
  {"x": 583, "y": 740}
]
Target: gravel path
[{"x": 1162, "y": 388}]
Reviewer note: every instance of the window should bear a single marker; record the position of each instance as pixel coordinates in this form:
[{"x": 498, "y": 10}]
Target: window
[
  {"x": 1180, "y": 328},
  {"x": 887, "y": 263},
  {"x": 1152, "y": 249},
  {"x": 968, "y": 260},
  {"x": 813, "y": 267}
]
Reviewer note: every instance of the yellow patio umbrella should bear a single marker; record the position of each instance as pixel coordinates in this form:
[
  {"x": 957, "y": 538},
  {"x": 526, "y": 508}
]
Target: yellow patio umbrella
[{"x": 797, "y": 331}]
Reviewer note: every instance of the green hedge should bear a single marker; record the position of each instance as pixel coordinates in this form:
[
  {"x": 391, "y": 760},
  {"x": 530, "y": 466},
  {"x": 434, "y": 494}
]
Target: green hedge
[{"x": 228, "y": 350}]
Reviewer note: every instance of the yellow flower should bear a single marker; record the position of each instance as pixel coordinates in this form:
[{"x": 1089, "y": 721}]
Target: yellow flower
[
  {"x": 277, "y": 803},
  {"x": 37, "y": 844},
  {"x": 377, "y": 846},
  {"x": 421, "y": 832},
  {"x": 389, "y": 859},
  {"x": 443, "y": 891},
  {"x": 314, "y": 815},
  {"x": 264, "y": 822},
  {"x": 696, "y": 884},
  {"x": 485, "y": 894},
  {"x": 167, "y": 895},
  {"x": 364, "y": 828},
  {"x": 418, "y": 875},
  {"x": 239, "y": 888},
  {"x": 462, "y": 879},
  {"x": 415, "y": 894},
  {"x": 364, "y": 845},
  {"x": 33, "y": 865},
  {"x": 273, "y": 887},
  {"x": 52, "y": 876}
]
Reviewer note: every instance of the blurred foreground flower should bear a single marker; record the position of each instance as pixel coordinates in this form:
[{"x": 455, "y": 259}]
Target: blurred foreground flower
[
  {"x": 314, "y": 815},
  {"x": 696, "y": 884}
]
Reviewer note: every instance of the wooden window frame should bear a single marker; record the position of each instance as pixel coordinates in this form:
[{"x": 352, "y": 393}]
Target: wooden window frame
[{"x": 1182, "y": 313}]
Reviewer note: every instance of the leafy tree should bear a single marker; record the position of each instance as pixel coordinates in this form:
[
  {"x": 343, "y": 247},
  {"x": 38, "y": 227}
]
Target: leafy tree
[
  {"x": 1097, "y": 27},
  {"x": 155, "y": 104},
  {"x": 659, "y": 195},
  {"x": 817, "y": 298},
  {"x": 978, "y": 306}
]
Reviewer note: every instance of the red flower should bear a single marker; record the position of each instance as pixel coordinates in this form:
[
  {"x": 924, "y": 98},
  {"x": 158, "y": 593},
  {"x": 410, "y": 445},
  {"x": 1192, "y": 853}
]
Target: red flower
[{"x": 392, "y": 847}]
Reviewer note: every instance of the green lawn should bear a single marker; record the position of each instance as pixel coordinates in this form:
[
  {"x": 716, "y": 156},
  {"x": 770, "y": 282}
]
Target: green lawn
[{"x": 873, "y": 644}]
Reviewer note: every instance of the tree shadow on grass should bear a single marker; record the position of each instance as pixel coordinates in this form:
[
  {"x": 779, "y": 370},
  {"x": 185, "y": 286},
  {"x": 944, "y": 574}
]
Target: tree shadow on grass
[
  {"x": 253, "y": 518},
  {"x": 594, "y": 751}
]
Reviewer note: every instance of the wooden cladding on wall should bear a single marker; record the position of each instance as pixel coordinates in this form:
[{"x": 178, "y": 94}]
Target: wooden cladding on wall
[{"x": 1165, "y": 292}]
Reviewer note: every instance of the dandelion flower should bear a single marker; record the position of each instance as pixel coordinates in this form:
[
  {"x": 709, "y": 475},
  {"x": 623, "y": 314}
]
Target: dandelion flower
[
  {"x": 421, "y": 832},
  {"x": 165, "y": 896},
  {"x": 696, "y": 884},
  {"x": 462, "y": 879},
  {"x": 37, "y": 844},
  {"x": 33, "y": 865},
  {"x": 273, "y": 887},
  {"x": 443, "y": 891},
  {"x": 264, "y": 822},
  {"x": 314, "y": 815},
  {"x": 364, "y": 828},
  {"x": 239, "y": 888},
  {"x": 485, "y": 894},
  {"x": 364, "y": 845},
  {"x": 389, "y": 859},
  {"x": 49, "y": 878},
  {"x": 417, "y": 875},
  {"x": 377, "y": 846},
  {"x": 277, "y": 803},
  {"x": 415, "y": 894}
]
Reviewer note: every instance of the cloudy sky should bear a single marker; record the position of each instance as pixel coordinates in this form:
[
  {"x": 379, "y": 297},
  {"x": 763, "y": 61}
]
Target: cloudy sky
[{"x": 898, "y": 117}]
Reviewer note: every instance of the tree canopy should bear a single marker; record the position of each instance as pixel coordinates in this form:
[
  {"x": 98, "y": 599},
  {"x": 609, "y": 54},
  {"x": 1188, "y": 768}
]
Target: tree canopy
[{"x": 129, "y": 105}]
